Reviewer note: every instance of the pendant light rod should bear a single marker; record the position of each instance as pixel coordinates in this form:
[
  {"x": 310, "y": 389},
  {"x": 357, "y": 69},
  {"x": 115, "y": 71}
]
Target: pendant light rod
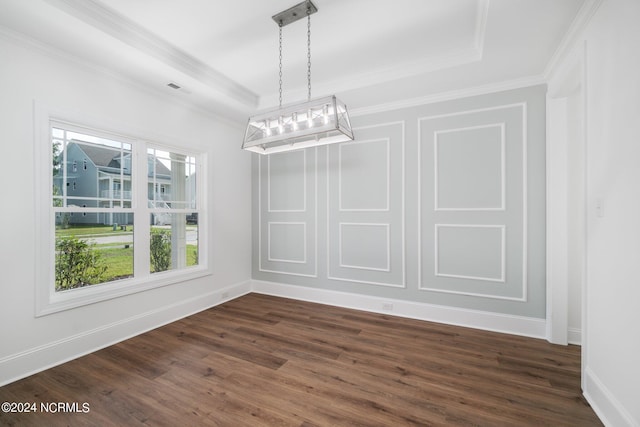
[
  {"x": 312, "y": 123},
  {"x": 309, "y": 53},
  {"x": 295, "y": 13},
  {"x": 280, "y": 62}
]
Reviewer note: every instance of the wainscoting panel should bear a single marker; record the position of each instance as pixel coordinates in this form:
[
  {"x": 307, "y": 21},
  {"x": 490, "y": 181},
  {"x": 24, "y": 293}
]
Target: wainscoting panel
[
  {"x": 287, "y": 242},
  {"x": 473, "y": 188},
  {"x": 469, "y": 168},
  {"x": 440, "y": 204},
  {"x": 288, "y": 213},
  {"x": 474, "y": 252},
  {"x": 363, "y": 186},
  {"x": 365, "y": 207},
  {"x": 364, "y": 246}
]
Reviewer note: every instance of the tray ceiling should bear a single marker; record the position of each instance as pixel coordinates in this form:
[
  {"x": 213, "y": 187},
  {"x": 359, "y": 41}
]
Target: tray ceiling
[{"x": 224, "y": 54}]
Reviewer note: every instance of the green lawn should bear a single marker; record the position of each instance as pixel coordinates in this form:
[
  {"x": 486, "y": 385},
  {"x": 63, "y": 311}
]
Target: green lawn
[
  {"x": 117, "y": 257},
  {"x": 119, "y": 261},
  {"x": 79, "y": 230},
  {"x": 97, "y": 230}
]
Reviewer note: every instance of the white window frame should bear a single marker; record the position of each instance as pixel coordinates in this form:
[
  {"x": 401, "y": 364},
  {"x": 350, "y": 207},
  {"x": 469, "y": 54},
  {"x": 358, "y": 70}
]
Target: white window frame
[{"x": 48, "y": 300}]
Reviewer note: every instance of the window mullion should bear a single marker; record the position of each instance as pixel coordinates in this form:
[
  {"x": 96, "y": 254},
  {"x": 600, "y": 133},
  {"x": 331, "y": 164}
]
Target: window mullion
[
  {"x": 64, "y": 168},
  {"x": 141, "y": 218}
]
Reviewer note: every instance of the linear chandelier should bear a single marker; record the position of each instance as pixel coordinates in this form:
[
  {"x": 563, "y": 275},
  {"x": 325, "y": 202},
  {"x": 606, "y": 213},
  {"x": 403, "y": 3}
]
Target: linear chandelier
[{"x": 312, "y": 123}]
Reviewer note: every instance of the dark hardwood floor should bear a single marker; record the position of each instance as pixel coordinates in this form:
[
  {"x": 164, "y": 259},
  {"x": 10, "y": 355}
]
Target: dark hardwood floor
[{"x": 261, "y": 360}]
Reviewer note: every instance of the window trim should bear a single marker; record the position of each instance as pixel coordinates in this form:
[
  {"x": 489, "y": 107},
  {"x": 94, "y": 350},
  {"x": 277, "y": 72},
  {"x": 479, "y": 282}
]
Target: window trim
[{"x": 49, "y": 301}]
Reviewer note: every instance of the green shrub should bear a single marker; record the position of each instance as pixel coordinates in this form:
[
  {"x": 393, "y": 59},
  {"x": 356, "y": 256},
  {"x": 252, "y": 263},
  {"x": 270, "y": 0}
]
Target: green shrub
[
  {"x": 194, "y": 256},
  {"x": 77, "y": 264},
  {"x": 160, "y": 249},
  {"x": 65, "y": 221}
]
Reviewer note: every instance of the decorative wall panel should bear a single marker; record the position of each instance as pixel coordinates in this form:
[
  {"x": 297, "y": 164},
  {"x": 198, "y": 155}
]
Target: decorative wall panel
[
  {"x": 364, "y": 186},
  {"x": 441, "y": 203},
  {"x": 469, "y": 168},
  {"x": 287, "y": 223},
  {"x": 473, "y": 252},
  {"x": 473, "y": 202},
  {"x": 286, "y": 182},
  {"x": 365, "y": 207},
  {"x": 287, "y": 242},
  {"x": 364, "y": 246}
]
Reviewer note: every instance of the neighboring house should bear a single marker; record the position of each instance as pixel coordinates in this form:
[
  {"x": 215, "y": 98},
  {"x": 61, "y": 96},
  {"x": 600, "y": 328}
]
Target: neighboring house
[{"x": 100, "y": 176}]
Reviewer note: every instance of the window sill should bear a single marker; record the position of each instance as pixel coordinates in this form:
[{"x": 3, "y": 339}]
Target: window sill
[{"x": 55, "y": 302}]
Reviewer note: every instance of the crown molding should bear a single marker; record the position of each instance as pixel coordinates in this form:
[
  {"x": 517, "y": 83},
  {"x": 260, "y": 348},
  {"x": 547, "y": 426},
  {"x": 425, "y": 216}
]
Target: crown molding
[
  {"x": 376, "y": 77},
  {"x": 571, "y": 37},
  {"x": 98, "y": 15},
  {"x": 25, "y": 42},
  {"x": 481, "y": 25},
  {"x": 462, "y": 56},
  {"x": 450, "y": 95}
]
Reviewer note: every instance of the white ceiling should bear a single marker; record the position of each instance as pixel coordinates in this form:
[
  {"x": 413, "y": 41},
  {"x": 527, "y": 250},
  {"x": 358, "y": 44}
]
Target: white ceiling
[{"x": 224, "y": 53}]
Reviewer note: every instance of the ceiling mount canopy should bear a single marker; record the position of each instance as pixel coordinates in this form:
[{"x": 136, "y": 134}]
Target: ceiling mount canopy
[{"x": 311, "y": 123}]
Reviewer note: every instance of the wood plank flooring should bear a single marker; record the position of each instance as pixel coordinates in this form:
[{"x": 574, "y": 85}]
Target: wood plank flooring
[{"x": 261, "y": 360}]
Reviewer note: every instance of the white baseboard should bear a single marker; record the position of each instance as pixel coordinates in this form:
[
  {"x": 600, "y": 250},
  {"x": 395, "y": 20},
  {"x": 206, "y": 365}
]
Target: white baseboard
[
  {"x": 574, "y": 336},
  {"x": 517, "y": 325},
  {"x": 23, "y": 364},
  {"x": 604, "y": 403},
  {"x": 31, "y": 361}
]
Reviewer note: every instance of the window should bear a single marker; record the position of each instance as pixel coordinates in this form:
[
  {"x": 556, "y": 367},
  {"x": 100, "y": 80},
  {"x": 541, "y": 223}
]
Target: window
[
  {"x": 108, "y": 236},
  {"x": 174, "y": 238},
  {"x": 89, "y": 249}
]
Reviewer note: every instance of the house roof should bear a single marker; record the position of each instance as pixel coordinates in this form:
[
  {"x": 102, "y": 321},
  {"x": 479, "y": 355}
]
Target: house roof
[
  {"x": 100, "y": 156},
  {"x": 106, "y": 157}
]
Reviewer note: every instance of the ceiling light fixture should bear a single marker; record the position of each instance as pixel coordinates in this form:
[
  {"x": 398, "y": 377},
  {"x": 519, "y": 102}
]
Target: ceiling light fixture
[{"x": 315, "y": 122}]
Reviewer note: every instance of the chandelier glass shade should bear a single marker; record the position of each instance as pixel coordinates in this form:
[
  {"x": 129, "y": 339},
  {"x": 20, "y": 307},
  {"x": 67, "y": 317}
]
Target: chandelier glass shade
[
  {"x": 320, "y": 121},
  {"x": 315, "y": 122}
]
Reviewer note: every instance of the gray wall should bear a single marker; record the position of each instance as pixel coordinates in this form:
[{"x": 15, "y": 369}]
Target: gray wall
[{"x": 441, "y": 203}]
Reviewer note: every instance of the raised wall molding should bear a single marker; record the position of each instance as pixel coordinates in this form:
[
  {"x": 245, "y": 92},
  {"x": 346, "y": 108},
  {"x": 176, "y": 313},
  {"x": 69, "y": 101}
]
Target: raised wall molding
[
  {"x": 304, "y": 242},
  {"x": 523, "y": 107},
  {"x": 436, "y": 182},
  {"x": 356, "y": 143},
  {"x": 436, "y": 254},
  {"x": 304, "y": 182},
  {"x": 387, "y": 257},
  {"x": 313, "y": 271},
  {"x": 384, "y": 212}
]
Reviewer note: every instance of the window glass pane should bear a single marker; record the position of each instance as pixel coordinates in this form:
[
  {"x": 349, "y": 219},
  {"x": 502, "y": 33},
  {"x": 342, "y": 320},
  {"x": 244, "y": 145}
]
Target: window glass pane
[
  {"x": 56, "y": 147},
  {"x": 174, "y": 241},
  {"x": 91, "y": 170},
  {"x": 92, "y": 248},
  {"x": 172, "y": 180}
]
